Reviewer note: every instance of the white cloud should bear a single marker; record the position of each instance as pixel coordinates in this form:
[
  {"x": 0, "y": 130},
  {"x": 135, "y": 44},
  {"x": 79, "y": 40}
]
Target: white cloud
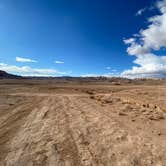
[
  {"x": 137, "y": 49},
  {"x": 28, "y": 71},
  {"x": 110, "y": 74},
  {"x": 90, "y": 75},
  {"x": 129, "y": 41},
  {"x": 153, "y": 38},
  {"x": 20, "y": 59},
  {"x": 140, "y": 12},
  {"x": 108, "y": 67},
  {"x": 162, "y": 5},
  {"x": 59, "y": 62},
  {"x": 150, "y": 65}
]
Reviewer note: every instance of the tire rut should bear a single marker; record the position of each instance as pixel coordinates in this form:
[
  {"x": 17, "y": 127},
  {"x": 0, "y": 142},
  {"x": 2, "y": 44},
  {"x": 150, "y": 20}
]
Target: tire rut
[
  {"x": 88, "y": 126},
  {"x": 10, "y": 124},
  {"x": 45, "y": 138}
]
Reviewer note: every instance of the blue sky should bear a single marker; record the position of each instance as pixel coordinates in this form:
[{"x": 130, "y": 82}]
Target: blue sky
[{"x": 79, "y": 37}]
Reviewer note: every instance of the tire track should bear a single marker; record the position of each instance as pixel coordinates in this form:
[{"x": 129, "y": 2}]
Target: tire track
[
  {"x": 45, "y": 138},
  {"x": 10, "y": 124},
  {"x": 75, "y": 121},
  {"x": 92, "y": 131},
  {"x": 70, "y": 130}
]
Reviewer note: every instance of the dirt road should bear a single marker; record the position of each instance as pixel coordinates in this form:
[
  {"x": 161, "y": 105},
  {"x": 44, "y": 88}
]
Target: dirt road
[{"x": 80, "y": 129}]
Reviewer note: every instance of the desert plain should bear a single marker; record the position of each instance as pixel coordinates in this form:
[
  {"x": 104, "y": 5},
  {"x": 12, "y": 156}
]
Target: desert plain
[{"x": 76, "y": 123}]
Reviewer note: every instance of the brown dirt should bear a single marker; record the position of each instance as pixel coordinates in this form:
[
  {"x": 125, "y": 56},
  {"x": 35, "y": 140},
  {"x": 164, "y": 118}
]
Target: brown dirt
[{"x": 49, "y": 124}]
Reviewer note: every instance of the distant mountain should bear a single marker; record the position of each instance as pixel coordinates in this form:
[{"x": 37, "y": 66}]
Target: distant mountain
[
  {"x": 5, "y": 75},
  {"x": 89, "y": 80}
]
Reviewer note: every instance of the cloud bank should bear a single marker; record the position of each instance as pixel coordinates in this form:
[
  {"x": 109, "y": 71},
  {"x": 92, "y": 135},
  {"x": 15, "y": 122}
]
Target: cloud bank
[
  {"x": 29, "y": 71},
  {"x": 142, "y": 46},
  {"x": 20, "y": 59}
]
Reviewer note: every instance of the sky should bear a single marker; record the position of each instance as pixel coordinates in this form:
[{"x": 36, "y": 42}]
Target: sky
[{"x": 83, "y": 37}]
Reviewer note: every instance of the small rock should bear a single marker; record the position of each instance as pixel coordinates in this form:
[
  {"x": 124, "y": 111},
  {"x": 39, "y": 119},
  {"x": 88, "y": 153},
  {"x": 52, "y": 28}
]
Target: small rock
[
  {"x": 122, "y": 114},
  {"x": 92, "y": 97},
  {"x": 143, "y": 110},
  {"x": 144, "y": 105}
]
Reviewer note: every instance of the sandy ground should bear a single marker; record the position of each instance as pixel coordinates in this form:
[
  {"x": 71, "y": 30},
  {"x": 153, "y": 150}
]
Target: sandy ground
[{"x": 50, "y": 124}]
